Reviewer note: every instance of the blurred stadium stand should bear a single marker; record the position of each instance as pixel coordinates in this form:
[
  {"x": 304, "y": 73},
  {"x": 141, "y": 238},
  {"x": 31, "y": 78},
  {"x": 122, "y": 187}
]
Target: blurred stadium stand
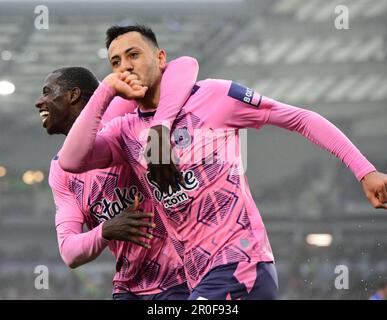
[{"x": 288, "y": 50}]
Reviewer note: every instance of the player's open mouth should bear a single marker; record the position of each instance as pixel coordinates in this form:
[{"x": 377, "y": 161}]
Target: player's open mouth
[{"x": 44, "y": 115}]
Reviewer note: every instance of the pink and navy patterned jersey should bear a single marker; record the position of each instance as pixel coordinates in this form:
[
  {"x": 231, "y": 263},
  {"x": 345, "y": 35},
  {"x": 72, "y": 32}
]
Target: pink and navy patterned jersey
[
  {"x": 100, "y": 195},
  {"x": 96, "y": 196},
  {"x": 213, "y": 219}
]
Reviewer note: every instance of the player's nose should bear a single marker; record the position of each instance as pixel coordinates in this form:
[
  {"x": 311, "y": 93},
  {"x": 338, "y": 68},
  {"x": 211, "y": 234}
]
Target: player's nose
[
  {"x": 126, "y": 65},
  {"x": 39, "y": 103}
]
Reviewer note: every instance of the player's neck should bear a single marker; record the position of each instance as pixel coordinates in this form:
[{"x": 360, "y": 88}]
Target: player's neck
[{"x": 66, "y": 130}]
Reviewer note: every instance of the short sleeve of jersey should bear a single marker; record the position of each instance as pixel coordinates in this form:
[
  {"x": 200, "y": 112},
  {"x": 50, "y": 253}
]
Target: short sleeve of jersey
[
  {"x": 67, "y": 209},
  {"x": 240, "y": 107}
]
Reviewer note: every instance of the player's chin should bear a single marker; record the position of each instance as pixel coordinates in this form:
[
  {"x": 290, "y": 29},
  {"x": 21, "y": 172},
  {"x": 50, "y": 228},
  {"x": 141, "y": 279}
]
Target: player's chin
[{"x": 49, "y": 128}]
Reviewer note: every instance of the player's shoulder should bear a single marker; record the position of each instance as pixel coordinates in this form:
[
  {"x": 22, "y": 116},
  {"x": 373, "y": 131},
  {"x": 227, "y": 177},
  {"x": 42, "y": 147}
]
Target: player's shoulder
[
  {"x": 56, "y": 175},
  {"x": 211, "y": 84},
  {"x": 54, "y": 165}
]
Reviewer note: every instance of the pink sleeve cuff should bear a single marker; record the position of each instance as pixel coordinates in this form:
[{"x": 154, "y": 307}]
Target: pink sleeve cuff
[
  {"x": 110, "y": 92},
  {"x": 368, "y": 169}
]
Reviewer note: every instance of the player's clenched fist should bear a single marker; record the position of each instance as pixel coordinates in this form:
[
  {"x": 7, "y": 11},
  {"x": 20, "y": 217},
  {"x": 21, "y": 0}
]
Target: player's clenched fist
[
  {"x": 375, "y": 188},
  {"x": 126, "y": 85}
]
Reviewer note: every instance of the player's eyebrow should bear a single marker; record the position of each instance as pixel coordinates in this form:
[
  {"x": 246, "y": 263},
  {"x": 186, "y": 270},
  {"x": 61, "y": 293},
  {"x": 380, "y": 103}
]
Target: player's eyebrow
[{"x": 126, "y": 52}]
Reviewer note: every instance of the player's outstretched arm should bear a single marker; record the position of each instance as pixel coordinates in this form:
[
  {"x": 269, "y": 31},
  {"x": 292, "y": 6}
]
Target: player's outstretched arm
[
  {"x": 177, "y": 82},
  {"x": 244, "y": 108},
  {"x": 323, "y": 133}
]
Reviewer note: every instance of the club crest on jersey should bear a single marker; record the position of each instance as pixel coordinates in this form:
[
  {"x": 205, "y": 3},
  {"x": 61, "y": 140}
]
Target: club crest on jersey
[
  {"x": 170, "y": 198},
  {"x": 244, "y": 94},
  {"x": 181, "y": 137}
]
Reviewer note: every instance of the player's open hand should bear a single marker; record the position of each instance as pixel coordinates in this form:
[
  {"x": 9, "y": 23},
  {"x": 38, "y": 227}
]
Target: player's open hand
[
  {"x": 126, "y": 85},
  {"x": 375, "y": 188},
  {"x": 129, "y": 226},
  {"x": 161, "y": 160}
]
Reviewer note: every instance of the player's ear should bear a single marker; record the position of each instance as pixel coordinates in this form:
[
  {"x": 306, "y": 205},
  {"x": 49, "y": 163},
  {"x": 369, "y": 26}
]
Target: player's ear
[
  {"x": 162, "y": 57},
  {"x": 75, "y": 95}
]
